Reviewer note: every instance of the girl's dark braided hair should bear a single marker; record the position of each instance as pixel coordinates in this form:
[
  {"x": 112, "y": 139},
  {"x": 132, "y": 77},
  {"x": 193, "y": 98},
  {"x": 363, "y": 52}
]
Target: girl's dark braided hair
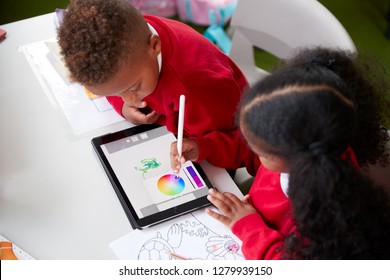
[
  {"x": 366, "y": 81},
  {"x": 309, "y": 113}
]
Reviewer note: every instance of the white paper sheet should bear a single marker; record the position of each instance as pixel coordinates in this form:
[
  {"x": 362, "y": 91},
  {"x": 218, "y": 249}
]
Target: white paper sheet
[
  {"x": 79, "y": 113},
  {"x": 192, "y": 236}
]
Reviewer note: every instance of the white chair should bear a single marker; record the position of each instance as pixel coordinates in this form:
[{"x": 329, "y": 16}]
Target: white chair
[{"x": 279, "y": 27}]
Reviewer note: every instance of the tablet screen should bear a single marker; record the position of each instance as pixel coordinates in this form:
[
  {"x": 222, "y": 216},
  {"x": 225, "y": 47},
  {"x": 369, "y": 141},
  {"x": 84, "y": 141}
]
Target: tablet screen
[{"x": 139, "y": 165}]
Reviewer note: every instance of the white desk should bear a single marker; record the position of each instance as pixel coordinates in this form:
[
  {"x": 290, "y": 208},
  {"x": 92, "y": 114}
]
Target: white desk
[{"x": 55, "y": 199}]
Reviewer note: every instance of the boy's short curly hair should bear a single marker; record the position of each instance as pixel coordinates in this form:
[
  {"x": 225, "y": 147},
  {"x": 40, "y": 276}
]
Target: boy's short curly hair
[{"x": 97, "y": 35}]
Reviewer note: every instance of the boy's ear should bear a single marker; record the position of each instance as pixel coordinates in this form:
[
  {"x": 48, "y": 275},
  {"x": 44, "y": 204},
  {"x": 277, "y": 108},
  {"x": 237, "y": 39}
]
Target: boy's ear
[{"x": 155, "y": 44}]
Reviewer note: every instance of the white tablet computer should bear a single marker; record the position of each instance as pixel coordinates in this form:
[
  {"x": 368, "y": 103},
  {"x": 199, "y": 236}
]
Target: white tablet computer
[{"x": 137, "y": 163}]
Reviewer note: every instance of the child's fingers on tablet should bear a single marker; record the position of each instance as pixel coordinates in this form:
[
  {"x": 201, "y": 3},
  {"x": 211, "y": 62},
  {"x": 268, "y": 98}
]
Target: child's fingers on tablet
[
  {"x": 221, "y": 218},
  {"x": 190, "y": 150},
  {"x": 175, "y": 163},
  {"x": 233, "y": 198},
  {"x": 225, "y": 197},
  {"x": 220, "y": 201}
]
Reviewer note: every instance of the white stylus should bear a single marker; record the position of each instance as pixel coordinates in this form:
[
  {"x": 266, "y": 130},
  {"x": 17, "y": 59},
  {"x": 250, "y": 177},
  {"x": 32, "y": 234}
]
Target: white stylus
[{"x": 180, "y": 126}]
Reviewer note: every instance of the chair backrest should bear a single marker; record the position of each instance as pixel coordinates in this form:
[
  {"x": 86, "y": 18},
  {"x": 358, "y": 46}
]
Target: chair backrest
[{"x": 279, "y": 27}]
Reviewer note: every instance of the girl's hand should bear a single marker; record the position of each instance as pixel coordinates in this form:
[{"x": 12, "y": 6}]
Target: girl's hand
[
  {"x": 140, "y": 115},
  {"x": 190, "y": 151},
  {"x": 231, "y": 207}
]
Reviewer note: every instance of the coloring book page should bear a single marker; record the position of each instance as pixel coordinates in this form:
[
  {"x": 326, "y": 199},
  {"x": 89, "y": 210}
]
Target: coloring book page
[{"x": 191, "y": 236}]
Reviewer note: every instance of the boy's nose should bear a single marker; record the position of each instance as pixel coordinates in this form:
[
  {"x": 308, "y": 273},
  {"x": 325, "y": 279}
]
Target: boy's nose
[{"x": 129, "y": 97}]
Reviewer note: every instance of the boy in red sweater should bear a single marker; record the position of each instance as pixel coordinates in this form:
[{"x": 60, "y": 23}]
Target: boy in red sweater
[{"x": 144, "y": 63}]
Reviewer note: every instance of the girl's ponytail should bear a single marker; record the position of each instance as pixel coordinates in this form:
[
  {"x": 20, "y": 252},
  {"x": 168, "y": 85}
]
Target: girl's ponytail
[{"x": 324, "y": 190}]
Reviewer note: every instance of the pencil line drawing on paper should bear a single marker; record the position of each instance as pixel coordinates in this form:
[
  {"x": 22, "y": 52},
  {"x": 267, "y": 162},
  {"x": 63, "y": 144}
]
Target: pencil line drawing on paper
[
  {"x": 147, "y": 164},
  {"x": 190, "y": 233}
]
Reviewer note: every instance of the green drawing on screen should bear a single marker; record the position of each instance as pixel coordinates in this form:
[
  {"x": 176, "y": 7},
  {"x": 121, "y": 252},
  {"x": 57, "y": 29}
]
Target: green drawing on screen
[{"x": 147, "y": 164}]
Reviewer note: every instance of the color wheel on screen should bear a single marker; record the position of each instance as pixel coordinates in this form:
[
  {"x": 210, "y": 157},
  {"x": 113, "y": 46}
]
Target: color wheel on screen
[{"x": 170, "y": 184}]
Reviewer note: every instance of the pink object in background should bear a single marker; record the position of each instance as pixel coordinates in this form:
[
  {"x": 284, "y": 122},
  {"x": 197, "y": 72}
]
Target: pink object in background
[
  {"x": 162, "y": 8},
  {"x": 3, "y": 33}
]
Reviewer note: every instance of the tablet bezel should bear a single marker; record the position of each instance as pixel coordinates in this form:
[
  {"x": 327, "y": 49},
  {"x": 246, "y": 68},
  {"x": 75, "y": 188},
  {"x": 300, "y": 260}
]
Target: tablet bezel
[{"x": 158, "y": 217}]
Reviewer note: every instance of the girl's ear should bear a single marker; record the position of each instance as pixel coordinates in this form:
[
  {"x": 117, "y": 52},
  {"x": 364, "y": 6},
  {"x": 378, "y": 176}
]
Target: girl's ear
[{"x": 155, "y": 45}]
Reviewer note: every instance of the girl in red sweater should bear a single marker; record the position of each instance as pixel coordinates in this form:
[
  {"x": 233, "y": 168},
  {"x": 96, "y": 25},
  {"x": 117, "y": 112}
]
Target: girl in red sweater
[{"x": 309, "y": 199}]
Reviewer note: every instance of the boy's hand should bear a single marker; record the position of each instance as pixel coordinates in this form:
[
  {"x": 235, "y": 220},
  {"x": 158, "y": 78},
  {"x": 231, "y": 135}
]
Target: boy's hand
[
  {"x": 140, "y": 115},
  {"x": 231, "y": 207},
  {"x": 190, "y": 151}
]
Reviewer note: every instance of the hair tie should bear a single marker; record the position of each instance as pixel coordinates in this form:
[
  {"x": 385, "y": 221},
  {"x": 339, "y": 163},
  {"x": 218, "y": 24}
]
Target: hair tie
[
  {"x": 319, "y": 148},
  {"x": 323, "y": 62}
]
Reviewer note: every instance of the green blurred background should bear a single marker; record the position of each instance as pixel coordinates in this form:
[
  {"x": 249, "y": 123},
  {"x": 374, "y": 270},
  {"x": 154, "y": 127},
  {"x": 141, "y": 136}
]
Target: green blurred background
[{"x": 365, "y": 21}]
